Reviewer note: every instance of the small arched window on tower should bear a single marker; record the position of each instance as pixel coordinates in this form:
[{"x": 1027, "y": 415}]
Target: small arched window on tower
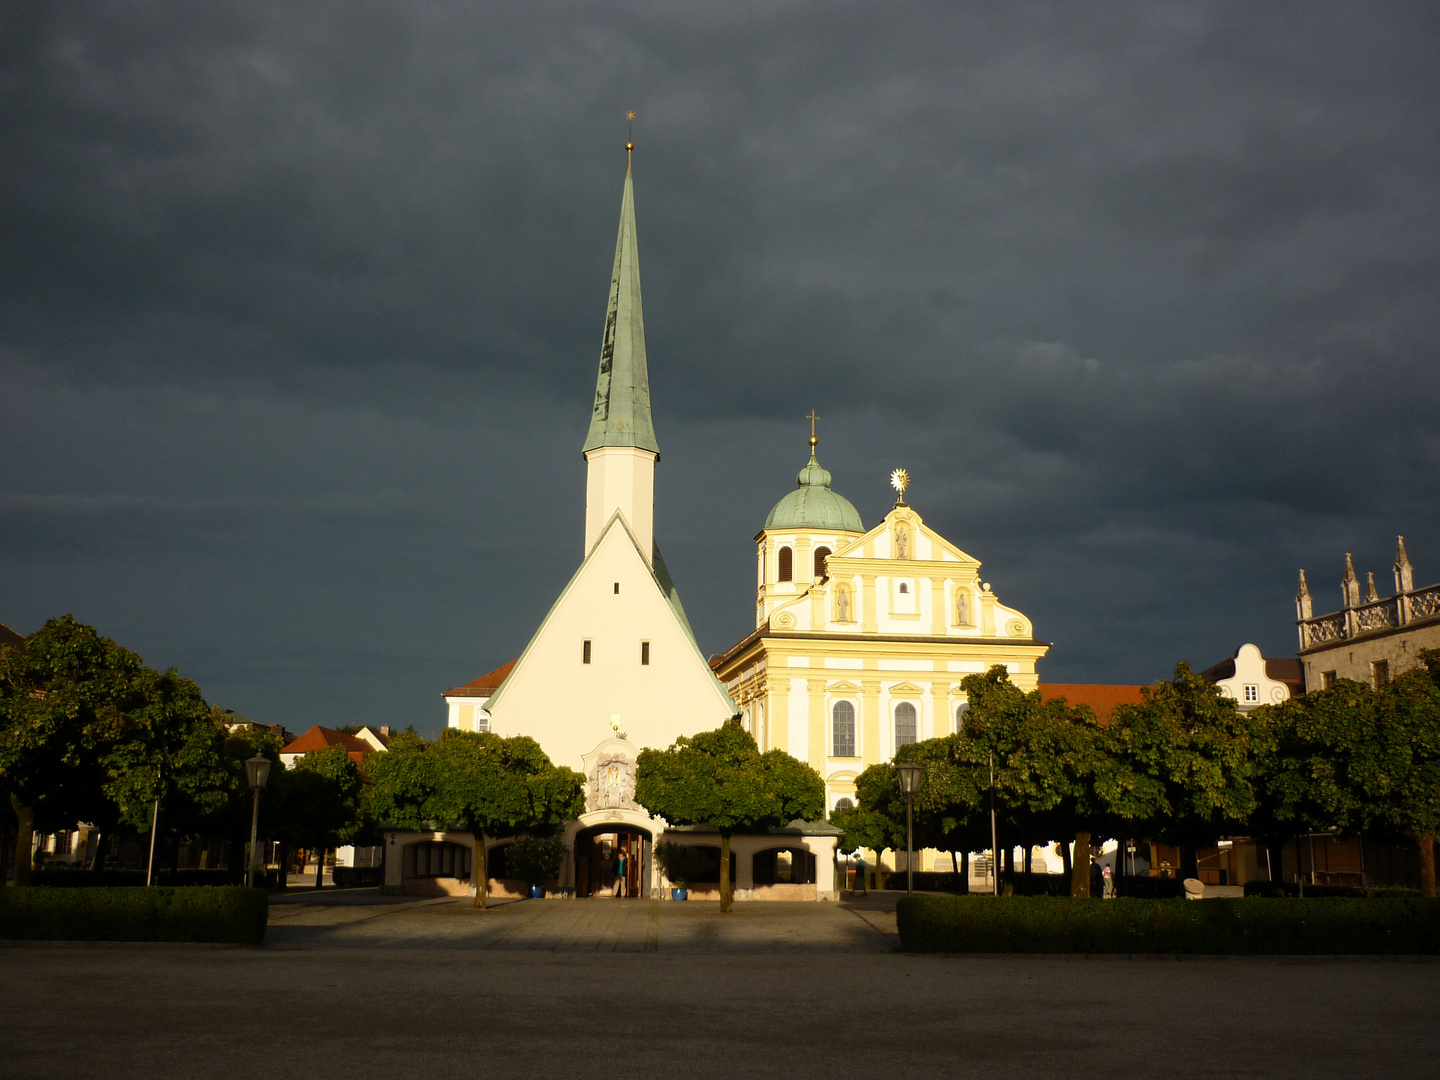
[
  {"x": 842, "y": 743},
  {"x": 905, "y": 726},
  {"x": 821, "y": 554},
  {"x": 960, "y": 711},
  {"x": 786, "y": 561}
]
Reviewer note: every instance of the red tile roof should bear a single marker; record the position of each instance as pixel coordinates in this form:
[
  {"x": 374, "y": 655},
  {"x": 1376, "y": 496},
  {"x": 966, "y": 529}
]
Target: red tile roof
[
  {"x": 1101, "y": 697},
  {"x": 486, "y": 684},
  {"x": 322, "y": 738}
]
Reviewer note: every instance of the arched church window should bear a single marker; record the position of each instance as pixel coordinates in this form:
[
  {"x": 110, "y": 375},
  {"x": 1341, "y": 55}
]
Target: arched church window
[
  {"x": 842, "y": 741},
  {"x": 844, "y": 804},
  {"x": 821, "y": 554},
  {"x": 786, "y": 561},
  {"x": 960, "y": 711},
  {"x": 906, "y": 729},
  {"x": 904, "y": 586}
]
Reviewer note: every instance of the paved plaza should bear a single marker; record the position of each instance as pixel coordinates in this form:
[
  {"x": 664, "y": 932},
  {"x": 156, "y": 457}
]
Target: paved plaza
[{"x": 355, "y": 985}]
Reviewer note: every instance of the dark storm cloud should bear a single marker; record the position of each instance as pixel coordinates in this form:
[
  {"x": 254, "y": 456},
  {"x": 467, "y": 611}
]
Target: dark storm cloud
[{"x": 301, "y": 304}]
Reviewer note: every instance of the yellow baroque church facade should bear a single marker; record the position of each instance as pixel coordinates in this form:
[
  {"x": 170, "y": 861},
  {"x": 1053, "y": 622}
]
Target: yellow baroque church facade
[{"x": 862, "y": 636}]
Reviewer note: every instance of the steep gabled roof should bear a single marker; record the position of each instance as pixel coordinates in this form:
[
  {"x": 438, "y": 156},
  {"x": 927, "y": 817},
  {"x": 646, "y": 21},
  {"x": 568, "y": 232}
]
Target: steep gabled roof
[
  {"x": 658, "y": 574},
  {"x": 10, "y": 637}
]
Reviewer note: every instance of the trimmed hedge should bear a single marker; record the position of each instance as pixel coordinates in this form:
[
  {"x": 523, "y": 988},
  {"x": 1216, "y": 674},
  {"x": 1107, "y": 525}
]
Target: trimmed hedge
[
  {"x": 1315, "y": 892},
  {"x": 84, "y": 879},
  {"x": 1142, "y": 886},
  {"x": 224, "y": 914},
  {"x": 346, "y": 877},
  {"x": 1042, "y": 924},
  {"x": 929, "y": 881}
]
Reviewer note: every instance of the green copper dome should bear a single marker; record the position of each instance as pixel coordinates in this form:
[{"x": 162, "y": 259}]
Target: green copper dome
[{"x": 812, "y": 505}]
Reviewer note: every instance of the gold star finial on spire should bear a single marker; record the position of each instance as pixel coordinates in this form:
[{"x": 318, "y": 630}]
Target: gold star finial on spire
[
  {"x": 630, "y": 140},
  {"x": 812, "y": 417},
  {"x": 900, "y": 480}
]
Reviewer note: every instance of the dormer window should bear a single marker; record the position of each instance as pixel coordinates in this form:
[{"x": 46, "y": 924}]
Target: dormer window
[
  {"x": 786, "y": 559},
  {"x": 821, "y": 554}
]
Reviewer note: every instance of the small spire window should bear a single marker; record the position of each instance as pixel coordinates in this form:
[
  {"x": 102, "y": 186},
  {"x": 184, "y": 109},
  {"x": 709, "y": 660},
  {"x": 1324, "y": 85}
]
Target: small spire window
[
  {"x": 585, "y": 652},
  {"x": 786, "y": 560},
  {"x": 644, "y": 653}
]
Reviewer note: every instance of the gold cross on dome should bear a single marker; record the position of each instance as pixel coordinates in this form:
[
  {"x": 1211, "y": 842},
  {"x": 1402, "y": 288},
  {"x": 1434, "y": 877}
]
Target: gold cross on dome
[{"x": 812, "y": 417}]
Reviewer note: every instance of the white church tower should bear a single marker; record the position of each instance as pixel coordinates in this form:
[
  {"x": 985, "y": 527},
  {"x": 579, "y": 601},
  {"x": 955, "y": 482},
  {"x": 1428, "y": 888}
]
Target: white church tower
[{"x": 614, "y": 663}]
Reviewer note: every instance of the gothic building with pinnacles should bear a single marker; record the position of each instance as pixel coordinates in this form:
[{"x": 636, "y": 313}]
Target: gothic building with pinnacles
[{"x": 1370, "y": 639}]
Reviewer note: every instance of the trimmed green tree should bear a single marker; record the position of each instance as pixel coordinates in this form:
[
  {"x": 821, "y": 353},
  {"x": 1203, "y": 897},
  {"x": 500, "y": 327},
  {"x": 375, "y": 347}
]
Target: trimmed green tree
[
  {"x": 318, "y": 803},
  {"x": 1047, "y": 755},
  {"x": 1181, "y": 766},
  {"x": 475, "y": 782},
  {"x": 720, "y": 778}
]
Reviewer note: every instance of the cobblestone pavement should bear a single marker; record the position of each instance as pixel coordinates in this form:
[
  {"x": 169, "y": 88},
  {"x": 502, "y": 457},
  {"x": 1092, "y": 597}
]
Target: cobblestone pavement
[{"x": 363, "y": 919}]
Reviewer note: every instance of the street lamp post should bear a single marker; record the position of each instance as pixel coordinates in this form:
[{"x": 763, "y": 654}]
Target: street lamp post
[
  {"x": 910, "y": 774},
  {"x": 257, "y": 771},
  {"x": 994, "y": 839}
]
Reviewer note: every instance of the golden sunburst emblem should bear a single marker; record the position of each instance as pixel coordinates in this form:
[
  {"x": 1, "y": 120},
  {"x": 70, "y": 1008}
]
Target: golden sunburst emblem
[{"x": 900, "y": 480}]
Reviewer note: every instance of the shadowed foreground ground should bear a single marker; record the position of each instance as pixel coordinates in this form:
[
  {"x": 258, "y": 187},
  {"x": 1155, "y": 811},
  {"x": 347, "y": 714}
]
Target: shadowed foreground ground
[{"x": 357, "y": 988}]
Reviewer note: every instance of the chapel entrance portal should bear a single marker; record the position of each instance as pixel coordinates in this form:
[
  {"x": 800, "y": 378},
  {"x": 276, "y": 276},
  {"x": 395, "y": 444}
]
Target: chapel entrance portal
[{"x": 597, "y": 850}]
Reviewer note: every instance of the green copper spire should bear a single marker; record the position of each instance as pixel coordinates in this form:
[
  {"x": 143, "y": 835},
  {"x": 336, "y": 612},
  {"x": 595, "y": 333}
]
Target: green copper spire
[{"x": 622, "y": 389}]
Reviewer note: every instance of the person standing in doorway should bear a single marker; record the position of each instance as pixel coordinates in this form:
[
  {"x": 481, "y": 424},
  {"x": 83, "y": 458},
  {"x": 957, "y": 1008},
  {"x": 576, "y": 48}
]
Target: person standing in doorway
[
  {"x": 1109, "y": 883},
  {"x": 622, "y": 863}
]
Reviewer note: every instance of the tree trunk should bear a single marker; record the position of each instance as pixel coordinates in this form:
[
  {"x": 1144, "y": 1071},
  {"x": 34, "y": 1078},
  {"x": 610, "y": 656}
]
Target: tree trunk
[
  {"x": 1275, "y": 855},
  {"x": 319, "y": 868},
  {"x": 1080, "y": 871},
  {"x": 727, "y": 896},
  {"x": 1189, "y": 861},
  {"x": 284, "y": 864},
  {"x": 964, "y": 865},
  {"x": 97, "y": 864},
  {"x": 1427, "y": 866},
  {"x": 24, "y": 840},
  {"x": 480, "y": 872},
  {"x": 1029, "y": 851},
  {"x": 175, "y": 859},
  {"x": 1064, "y": 847}
]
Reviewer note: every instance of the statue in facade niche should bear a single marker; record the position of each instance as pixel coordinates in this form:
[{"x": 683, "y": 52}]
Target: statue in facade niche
[
  {"x": 842, "y": 604},
  {"x": 962, "y": 609},
  {"x": 900, "y": 541}
]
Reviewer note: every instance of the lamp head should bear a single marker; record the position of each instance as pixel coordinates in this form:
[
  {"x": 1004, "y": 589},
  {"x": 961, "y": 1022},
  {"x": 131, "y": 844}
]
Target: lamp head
[
  {"x": 257, "y": 771},
  {"x": 909, "y": 773}
]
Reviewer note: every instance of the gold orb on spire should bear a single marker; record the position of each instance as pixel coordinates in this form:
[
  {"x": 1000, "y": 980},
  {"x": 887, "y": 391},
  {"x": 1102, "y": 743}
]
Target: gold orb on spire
[{"x": 900, "y": 480}]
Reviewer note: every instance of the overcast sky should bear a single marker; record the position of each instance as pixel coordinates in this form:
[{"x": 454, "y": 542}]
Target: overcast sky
[{"x": 301, "y": 306}]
